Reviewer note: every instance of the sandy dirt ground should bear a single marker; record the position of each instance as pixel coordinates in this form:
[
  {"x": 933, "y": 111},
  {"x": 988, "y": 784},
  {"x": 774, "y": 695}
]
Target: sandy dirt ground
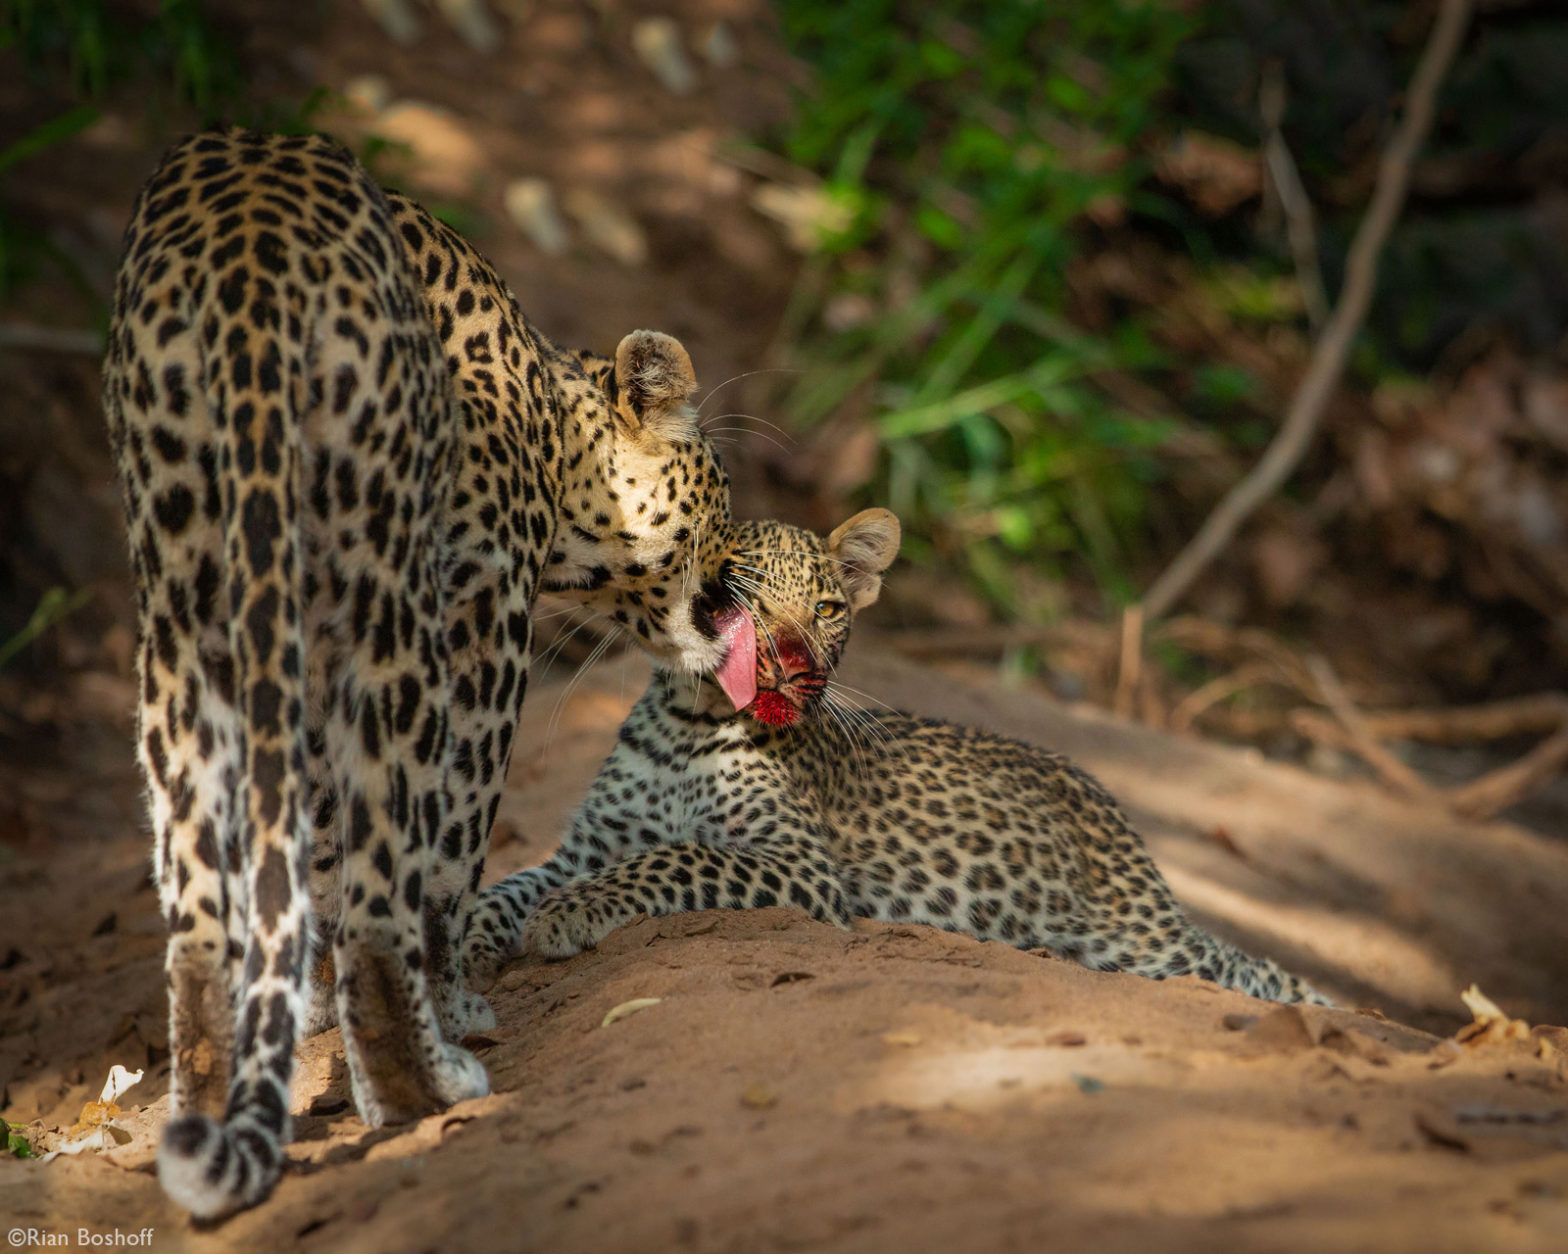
[
  {"x": 795, "y": 1087},
  {"x": 798, "y": 1087}
]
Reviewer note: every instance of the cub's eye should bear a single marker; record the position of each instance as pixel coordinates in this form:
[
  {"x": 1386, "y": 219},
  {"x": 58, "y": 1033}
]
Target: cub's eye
[{"x": 829, "y": 609}]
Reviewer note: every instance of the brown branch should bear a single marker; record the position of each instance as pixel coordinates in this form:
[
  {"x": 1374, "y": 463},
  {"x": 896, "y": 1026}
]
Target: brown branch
[
  {"x": 1300, "y": 227},
  {"x": 1129, "y": 664},
  {"x": 1333, "y": 348},
  {"x": 1200, "y": 700},
  {"x": 1360, "y": 735},
  {"x": 1536, "y": 715},
  {"x": 1499, "y": 789}
]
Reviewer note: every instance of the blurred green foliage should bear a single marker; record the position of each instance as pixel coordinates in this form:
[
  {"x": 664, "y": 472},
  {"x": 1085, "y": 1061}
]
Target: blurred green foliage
[
  {"x": 54, "y": 605},
  {"x": 86, "y": 48},
  {"x": 74, "y": 54},
  {"x": 16, "y": 1143},
  {"x": 974, "y": 155},
  {"x": 964, "y": 149}
]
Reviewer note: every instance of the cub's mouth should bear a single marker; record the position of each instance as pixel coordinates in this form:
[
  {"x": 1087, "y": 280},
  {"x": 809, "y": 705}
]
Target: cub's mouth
[{"x": 775, "y": 685}]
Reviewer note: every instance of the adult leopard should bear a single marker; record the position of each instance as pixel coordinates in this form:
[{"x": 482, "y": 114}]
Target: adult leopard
[{"x": 349, "y": 465}]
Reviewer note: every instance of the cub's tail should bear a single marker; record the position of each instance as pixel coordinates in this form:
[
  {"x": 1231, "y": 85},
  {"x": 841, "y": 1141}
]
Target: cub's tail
[{"x": 1220, "y": 961}]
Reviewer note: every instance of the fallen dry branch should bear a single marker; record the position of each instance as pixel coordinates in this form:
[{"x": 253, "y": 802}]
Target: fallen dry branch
[
  {"x": 1258, "y": 660},
  {"x": 1360, "y": 736},
  {"x": 986, "y": 641},
  {"x": 1479, "y": 798},
  {"x": 26, "y": 338},
  {"x": 1201, "y": 700}
]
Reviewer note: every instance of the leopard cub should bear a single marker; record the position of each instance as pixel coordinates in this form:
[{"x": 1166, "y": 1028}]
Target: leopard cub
[{"x": 764, "y": 785}]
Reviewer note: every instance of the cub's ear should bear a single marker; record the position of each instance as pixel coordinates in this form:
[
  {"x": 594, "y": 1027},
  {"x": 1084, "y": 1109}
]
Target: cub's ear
[
  {"x": 865, "y": 546},
  {"x": 653, "y": 380}
]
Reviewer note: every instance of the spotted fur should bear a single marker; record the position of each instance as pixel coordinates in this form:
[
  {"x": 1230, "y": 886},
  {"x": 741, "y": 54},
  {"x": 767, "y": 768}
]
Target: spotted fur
[
  {"x": 349, "y": 464},
  {"x": 806, "y": 800}
]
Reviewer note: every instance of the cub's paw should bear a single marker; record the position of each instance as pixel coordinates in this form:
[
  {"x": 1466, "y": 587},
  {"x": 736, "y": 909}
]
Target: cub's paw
[
  {"x": 561, "y": 927},
  {"x": 483, "y": 961}
]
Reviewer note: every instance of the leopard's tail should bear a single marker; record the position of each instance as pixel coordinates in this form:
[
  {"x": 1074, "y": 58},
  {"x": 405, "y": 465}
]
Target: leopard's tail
[
  {"x": 1214, "y": 959},
  {"x": 213, "y": 1167}
]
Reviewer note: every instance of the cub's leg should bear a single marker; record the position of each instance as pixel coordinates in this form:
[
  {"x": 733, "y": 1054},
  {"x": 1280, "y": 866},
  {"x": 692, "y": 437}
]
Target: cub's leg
[
  {"x": 784, "y": 869},
  {"x": 604, "y": 830},
  {"x": 1124, "y": 917}
]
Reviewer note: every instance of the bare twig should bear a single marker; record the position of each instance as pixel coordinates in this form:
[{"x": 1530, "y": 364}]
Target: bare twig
[
  {"x": 1333, "y": 347},
  {"x": 1129, "y": 668},
  {"x": 1300, "y": 229},
  {"x": 1536, "y": 715},
  {"x": 991, "y": 639},
  {"x": 1393, "y": 772},
  {"x": 1222, "y": 688},
  {"x": 1499, "y": 789}
]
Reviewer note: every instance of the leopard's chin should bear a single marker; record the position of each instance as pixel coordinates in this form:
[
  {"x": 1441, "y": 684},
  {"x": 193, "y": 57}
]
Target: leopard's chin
[
  {"x": 789, "y": 703},
  {"x": 774, "y": 708}
]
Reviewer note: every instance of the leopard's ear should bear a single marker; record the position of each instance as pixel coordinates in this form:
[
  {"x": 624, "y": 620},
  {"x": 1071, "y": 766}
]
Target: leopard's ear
[
  {"x": 865, "y": 546},
  {"x": 653, "y": 382}
]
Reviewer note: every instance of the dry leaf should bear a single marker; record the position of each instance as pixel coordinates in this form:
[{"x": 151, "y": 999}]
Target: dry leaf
[
  {"x": 629, "y": 1008},
  {"x": 1491, "y": 1025},
  {"x": 758, "y": 1096},
  {"x": 95, "y": 1128}
]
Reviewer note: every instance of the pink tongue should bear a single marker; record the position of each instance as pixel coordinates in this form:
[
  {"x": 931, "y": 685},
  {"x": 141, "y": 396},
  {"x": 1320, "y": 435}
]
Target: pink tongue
[{"x": 737, "y": 674}]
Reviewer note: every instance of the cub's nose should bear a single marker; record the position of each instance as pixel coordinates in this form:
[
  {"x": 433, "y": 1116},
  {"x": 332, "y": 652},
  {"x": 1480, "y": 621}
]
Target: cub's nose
[{"x": 794, "y": 657}]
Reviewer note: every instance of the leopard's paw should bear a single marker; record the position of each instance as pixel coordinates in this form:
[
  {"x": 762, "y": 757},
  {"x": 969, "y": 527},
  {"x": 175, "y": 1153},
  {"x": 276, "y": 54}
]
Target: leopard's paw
[
  {"x": 483, "y": 961},
  {"x": 470, "y": 1015},
  {"x": 554, "y": 931}
]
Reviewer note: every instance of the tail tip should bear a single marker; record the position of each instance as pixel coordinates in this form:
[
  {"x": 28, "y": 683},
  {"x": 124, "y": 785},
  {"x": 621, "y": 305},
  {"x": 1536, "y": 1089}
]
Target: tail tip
[{"x": 209, "y": 1170}]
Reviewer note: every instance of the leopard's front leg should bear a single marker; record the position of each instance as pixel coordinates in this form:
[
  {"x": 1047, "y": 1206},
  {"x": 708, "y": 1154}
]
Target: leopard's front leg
[{"x": 784, "y": 869}]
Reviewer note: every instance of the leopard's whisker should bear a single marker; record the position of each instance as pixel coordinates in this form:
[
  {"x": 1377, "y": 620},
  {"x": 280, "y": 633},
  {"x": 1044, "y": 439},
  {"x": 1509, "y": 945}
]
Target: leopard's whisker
[
  {"x": 736, "y": 378},
  {"x": 841, "y": 686},
  {"x": 560, "y": 703},
  {"x": 565, "y": 638},
  {"x": 868, "y": 720},
  {"x": 850, "y": 734},
  {"x": 755, "y": 418},
  {"x": 714, "y": 433}
]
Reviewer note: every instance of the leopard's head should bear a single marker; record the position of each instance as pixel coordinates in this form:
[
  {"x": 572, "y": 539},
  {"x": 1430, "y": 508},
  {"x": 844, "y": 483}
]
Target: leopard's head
[
  {"x": 645, "y": 502},
  {"x": 785, "y": 600}
]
